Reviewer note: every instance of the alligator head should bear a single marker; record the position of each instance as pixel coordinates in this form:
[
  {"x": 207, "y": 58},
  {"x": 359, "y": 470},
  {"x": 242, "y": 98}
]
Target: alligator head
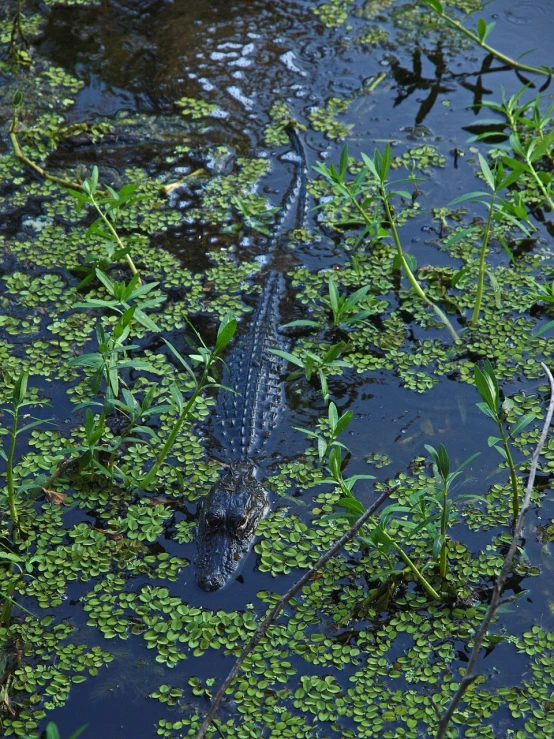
[{"x": 228, "y": 518}]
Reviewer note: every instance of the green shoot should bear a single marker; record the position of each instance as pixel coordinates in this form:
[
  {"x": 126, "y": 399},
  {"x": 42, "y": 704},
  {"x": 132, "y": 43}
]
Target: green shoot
[
  {"x": 206, "y": 358},
  {"x": 483, "y": 31},
  {"x": 487, "y": 386},
  {"x": 371, "y": 185},
  {"x": 497, "y": 209},
  {"x": 19, "y": 401}
]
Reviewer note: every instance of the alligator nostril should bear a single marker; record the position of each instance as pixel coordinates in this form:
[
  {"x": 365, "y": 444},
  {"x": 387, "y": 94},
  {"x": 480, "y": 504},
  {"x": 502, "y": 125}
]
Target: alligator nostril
[{"x": 209, "y": 583}]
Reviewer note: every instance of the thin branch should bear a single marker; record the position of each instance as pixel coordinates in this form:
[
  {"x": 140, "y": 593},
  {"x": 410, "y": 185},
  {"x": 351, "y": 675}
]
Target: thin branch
[
  {"x": 470, "y": 676},
  {"x": 35, "y": 167},
  {"x": 276, "y": 610}
]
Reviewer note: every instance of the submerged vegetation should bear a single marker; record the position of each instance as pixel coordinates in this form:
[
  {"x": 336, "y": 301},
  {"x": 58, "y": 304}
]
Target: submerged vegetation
[{"x": 114, "y": 339}]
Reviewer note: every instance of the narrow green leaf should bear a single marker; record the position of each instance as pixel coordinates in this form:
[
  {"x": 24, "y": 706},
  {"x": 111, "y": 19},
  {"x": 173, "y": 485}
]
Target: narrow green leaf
[
  {"x": 485, "y": 169},
  {"x": 333, "y": 417},
  {"x": 351, "y": 504},
  {"x": 225, "y": 332},
  {"x": 333, "y": 295},
  {"x": 522, "y": 423},
  {"x": 301, "y": 322},
  {"x": 288, "y": 356},
  {"x": 468, "y": 196},
  {"x": 343, "y": 422}
]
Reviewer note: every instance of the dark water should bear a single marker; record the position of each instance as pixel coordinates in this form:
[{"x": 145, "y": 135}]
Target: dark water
[{"x": 244, "y": 57}]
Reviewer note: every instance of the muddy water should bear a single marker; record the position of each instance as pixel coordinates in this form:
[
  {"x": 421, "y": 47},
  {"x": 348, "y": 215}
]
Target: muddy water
[{"x": 244, "y": 57}]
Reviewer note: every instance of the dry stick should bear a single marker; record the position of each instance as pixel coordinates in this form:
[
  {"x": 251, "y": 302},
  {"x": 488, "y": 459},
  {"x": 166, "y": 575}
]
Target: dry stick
[
  {"x": 272, "y": 615},
  {"x": 469, "y": 676},
  {"x": 35, "y": 167},
  {"x": 42, "y": 172}
]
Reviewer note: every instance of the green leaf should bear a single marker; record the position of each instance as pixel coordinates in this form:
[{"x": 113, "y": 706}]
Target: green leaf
[
  {"x": 77, "y": 734},
  {"x": 386, "y": 160},
  {"x": 20, "y": 389},
  {"x": 52, "y": 731},
  {"x": 543, "y": 329},
  {"x": 355, "y": 298},
  {"x": 146, "y": 321},
  {"x": 225, "y": 332},
  {"x": 333, "y": 352},
  {"x": 34, "y": 424},
  {"x": 343, "y": 422},
  {"x": 459, "y": 236},
  {"x": 321, "y": 448},
  {"x": 105, "y": 280},
  {"x": 333, "y": 417},
  {"x": 94, "y": 179},
  {"x": 351, "y": 504},
  {"x": 481, "y": 29},
  {"x": 182, "y": 360},
  {"x": 522, "y": 423},
  {"x": 411, "y": 261},
  {"x": 458, "y": 275},
  {"x": 437, "y": 545},
  {"x": 343, "y": 164},
  {"x": 484, "y": 408},
  {"x": 324, "y": 385},
  {"x": 177, "y": 396},
  {"x": 333, "y": 296},
  {"x": 435, "y": 5},
  {"x": 486, "y": 389},
  {"x": 485, "y": 169},
  {"x": 301, "y": 322},
  {"x": 288, "y": 356},
  {"x": 502, "y": 452},
  {"x": 335, "y": 462},
  {"x": 468, "y": 196}
]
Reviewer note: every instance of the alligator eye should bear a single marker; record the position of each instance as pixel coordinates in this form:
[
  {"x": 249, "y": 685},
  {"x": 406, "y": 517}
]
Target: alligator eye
[
  {"x": 214, "y": 518},
  {"x": 240, "y": 523}
]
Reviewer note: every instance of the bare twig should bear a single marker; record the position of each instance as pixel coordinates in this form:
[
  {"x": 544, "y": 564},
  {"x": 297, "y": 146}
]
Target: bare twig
[
  {"x": 272, "y": 615},
  {"x": 35, "y": 167},
  {"x": 470, "y": 676},
  {"x": 72, "y": 184}
]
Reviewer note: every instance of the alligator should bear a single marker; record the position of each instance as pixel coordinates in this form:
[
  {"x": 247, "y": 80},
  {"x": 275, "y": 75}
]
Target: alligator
[{"x": 230, "y": 513}]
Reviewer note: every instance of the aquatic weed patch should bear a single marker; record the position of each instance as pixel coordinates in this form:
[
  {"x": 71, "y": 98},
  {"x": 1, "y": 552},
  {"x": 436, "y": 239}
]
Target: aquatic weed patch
[{"x": 363, "y": 651}]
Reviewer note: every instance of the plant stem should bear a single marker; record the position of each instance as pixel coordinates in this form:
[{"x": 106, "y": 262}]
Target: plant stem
[
  {"x": 444, "y": 523},
  {"x": 537, "y": 179},
  {"x": 10, "y": 477},
  {"x": 408, "y": 272},
  {"x": 513, "y": 474},
  {"x": 114, "y": 234},
  {"x": 178, "y": 425},
  {"x": 17, "y": 28},
  {"x": 404, "y": 264},
  {"x": 482, "y": 264},
  {"x": 407, "y": 561},
  {"x": 506, "y": 59}
]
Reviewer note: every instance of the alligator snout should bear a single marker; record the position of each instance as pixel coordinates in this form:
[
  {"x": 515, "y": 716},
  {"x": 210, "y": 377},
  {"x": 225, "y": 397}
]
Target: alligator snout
[
  {"x": 226, "y": 524},
  {"x": 210, "y": 582}
]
